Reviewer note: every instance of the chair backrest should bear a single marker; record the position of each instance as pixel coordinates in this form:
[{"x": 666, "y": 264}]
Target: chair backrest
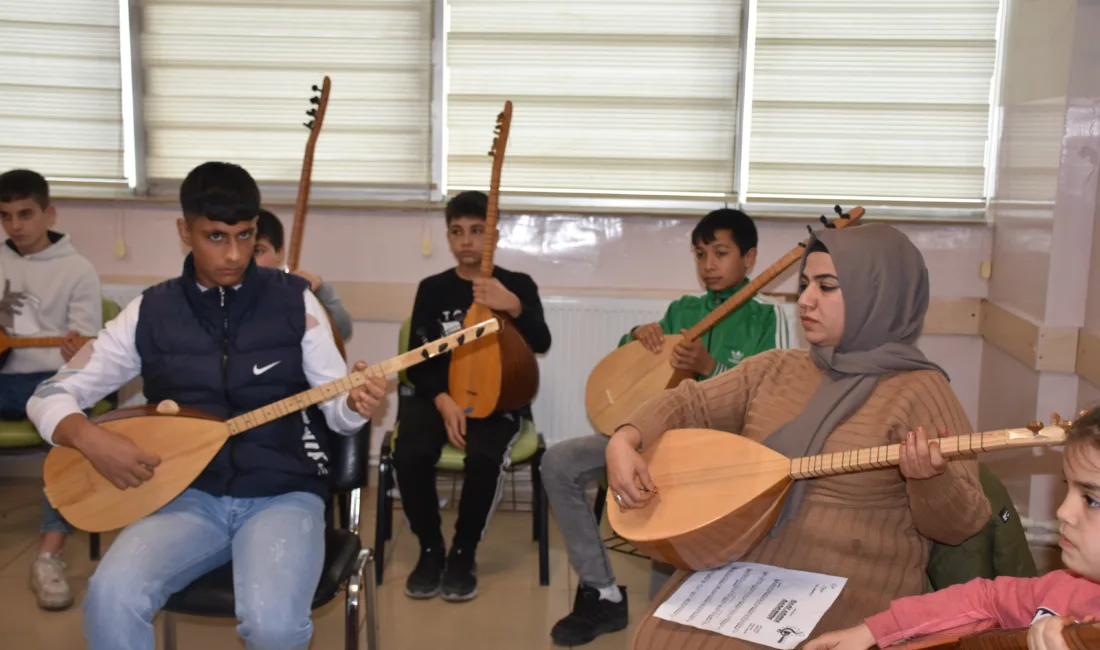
[
  {"x": 111, "y": 310},
  {"x": 348, "y": 456}
]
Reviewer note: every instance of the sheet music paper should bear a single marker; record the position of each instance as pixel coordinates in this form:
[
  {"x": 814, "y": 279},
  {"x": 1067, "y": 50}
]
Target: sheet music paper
[{"x": 754, "y": 602}]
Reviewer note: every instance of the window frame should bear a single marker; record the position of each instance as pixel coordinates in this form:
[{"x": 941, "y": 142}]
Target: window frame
[{"x": 626, "y": 203}]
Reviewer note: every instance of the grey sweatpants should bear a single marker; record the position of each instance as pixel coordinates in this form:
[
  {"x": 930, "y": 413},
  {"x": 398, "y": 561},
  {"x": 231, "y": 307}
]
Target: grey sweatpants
[{"x": 568, "y": 468}]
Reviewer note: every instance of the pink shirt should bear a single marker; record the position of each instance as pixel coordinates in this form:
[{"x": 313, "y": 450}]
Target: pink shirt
[{"x": 1012, "y": 602}]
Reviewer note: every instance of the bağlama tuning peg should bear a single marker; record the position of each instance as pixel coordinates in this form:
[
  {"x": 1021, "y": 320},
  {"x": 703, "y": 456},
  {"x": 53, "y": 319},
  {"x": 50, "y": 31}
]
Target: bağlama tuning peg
[
  {"x": 828, "y": 224},
  {"x": 312, "y": 112},
  {"x": 837, "y": 209},
  {"x": 308, "y": 125},
  {"x": 316, "y": 89},
  {"x": 314, "y": 100}
]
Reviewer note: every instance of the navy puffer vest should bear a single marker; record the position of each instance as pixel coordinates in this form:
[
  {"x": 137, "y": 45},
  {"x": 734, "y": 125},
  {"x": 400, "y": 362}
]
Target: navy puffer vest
[{"x": 227, "y": 351}]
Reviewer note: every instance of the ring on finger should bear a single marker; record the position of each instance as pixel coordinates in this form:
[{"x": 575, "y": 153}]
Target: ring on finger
[{"x": 619, "y": 499}]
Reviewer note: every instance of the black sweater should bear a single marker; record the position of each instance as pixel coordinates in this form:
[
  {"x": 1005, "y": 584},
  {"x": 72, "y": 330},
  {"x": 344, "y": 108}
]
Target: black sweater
[{"x": 440, "y": 308}]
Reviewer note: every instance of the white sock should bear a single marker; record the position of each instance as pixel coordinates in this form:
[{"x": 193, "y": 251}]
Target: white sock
[{"x": 611, "y": 593}]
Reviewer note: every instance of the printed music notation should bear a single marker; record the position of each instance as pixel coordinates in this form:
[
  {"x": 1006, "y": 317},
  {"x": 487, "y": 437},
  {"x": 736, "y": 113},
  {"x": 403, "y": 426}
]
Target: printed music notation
[{"x": 754, "y": 602}]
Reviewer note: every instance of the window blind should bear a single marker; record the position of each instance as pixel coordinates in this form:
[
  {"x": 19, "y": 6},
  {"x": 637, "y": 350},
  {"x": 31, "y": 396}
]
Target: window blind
[
  {"x": 629, "y": 97},
  {"x": 61, "y": 95},
  {"x": 230, "y": 80},
  {"x": 871, "y": 99}
]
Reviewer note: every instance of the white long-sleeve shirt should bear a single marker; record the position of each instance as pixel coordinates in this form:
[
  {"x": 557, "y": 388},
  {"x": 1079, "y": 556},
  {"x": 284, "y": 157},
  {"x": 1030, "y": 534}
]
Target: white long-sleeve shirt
[{"x": 111, "y": 360}]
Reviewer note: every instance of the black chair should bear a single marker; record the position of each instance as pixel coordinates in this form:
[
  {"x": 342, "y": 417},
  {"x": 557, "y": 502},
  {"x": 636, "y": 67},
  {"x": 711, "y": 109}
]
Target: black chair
[{"x": 346, "y": 561}]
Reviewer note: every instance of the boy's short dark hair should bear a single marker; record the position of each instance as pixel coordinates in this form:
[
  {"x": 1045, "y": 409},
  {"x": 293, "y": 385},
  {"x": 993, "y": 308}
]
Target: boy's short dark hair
[
  {"x": 19, "y": 184},
  {"x": 270, "y": 228},
  {"x": 220, "y": 191},
  {"x": 467, "y": 204},
  {"x": 741, "y": 227}
]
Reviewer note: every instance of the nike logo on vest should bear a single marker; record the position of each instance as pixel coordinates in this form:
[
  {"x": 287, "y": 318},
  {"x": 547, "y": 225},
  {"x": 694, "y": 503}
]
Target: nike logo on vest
[{"x": 256, "y": 370}]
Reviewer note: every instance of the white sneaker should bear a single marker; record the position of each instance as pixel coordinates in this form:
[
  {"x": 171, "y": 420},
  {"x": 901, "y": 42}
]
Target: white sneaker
[{"x": 49, "y": 583}]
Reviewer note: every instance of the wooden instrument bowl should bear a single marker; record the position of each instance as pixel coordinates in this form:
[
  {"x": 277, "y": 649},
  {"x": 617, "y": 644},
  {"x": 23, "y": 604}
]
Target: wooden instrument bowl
[
  {"x": 185, "y": 441},
  {"x": 718, "y": 494},
  {"x": 626, "y": 378},
  {"x": 495, "y": 373}
]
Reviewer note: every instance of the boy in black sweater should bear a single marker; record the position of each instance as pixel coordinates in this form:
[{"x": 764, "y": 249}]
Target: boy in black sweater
[{"x": 430, "y": 418}]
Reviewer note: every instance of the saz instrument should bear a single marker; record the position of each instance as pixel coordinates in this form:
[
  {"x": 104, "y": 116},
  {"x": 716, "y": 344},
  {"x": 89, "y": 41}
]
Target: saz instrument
[
  {"x": 499, "y": 373},
  {"x": 187, "y": 440},
  {"x": 301, "y": 205},
  {"x": 21, "y": 342},
  {"x": 631, "y": 374},
  {"x": 719, "y": 494},
  {"x": 984, "y": 635}
]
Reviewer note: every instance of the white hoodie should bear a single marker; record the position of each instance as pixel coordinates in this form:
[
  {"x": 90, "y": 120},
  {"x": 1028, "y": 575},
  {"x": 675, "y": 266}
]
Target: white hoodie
[{"x": 62, "y": 293}]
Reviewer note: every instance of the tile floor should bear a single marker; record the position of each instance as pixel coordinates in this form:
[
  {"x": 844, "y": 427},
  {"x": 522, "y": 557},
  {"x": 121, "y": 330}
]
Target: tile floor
[{"x": 512, "y": 610}]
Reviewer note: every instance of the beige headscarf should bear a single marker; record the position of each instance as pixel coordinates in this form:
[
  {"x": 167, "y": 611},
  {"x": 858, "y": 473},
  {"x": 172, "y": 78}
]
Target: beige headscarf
[{"x": 884, "y": 282}]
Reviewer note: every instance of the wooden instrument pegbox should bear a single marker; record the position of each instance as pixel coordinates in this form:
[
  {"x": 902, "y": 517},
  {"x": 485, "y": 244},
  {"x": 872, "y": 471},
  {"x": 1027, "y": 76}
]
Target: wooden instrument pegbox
[
  {"x": 831, "y": 223},
  {"x": 502, "y": 118},
  {"x": 322, "y": 92},
  {"x": 1055, "y": 421}
]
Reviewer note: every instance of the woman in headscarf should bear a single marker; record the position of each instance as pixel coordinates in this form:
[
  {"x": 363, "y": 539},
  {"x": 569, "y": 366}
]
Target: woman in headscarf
[{"x": 863, "y": 383}]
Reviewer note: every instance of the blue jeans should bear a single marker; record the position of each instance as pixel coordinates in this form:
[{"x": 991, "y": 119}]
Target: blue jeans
[
  {"x": 52, "y": 521},
  {"x": 277, "y": 545},
  {"x": 15, "y": 392}
]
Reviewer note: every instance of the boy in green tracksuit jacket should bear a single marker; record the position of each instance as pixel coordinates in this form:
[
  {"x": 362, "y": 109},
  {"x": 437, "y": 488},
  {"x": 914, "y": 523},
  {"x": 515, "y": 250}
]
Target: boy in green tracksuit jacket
[{"x": 724, "y": 247}]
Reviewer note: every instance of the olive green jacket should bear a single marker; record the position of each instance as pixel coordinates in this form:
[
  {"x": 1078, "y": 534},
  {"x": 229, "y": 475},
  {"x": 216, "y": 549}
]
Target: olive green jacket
[{"x": 999, "y": 549}]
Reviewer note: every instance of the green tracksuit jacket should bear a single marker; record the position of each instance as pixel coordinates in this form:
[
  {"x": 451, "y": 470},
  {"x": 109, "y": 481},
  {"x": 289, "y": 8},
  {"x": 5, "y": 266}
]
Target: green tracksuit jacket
[{"x": 754, "y": 327}]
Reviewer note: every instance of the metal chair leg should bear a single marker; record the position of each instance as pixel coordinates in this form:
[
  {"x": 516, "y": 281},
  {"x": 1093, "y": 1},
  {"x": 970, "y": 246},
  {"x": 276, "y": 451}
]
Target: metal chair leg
[
  {"x": 382, "y": 518},
  {"x": 544, "y": 538},
  {"x": 360, "y": 594},
  {"x": 536, "y": 501},
  {"x": 168, "y": 625},
  {"x": 371, "y": 601},
  {"x": 93, "y": 546}
]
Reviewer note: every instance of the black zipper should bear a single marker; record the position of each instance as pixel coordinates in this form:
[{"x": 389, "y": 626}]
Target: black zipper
[{"x": 225, "y": 376}]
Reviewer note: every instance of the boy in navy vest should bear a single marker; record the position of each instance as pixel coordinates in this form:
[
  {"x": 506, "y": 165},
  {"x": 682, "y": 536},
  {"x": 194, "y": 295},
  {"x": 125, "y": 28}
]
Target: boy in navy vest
[
  {"x": 430, "y": 418},
  {"x": 225, "y": 337}
]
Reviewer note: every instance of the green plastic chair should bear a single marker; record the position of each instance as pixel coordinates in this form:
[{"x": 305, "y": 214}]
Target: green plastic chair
[
  {"x": 19, "y": 437},
  {"x": 527, "y": 450}
]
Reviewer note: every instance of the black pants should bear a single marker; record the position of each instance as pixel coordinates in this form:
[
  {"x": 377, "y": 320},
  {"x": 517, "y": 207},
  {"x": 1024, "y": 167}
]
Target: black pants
[{"x": 420, "y": 439}]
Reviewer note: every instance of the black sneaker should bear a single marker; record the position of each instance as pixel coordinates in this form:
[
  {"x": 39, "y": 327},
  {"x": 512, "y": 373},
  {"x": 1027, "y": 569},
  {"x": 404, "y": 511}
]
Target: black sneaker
[
  {"x": 590, "y": 618},
  {"x": 460, "y": 578},
  {"x": 424, "y": 580}
]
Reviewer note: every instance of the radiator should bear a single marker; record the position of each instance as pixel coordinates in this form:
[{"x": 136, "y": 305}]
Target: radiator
[{"x": 584, "y": 331}]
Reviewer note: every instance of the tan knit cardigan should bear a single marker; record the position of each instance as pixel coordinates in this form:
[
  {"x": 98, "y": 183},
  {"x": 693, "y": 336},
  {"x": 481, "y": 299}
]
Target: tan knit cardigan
[{"x": 871, "y": 527}]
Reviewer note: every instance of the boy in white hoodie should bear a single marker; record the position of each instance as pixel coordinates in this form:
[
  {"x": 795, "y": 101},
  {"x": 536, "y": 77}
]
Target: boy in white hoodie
[{"x": 48, "y": 290}]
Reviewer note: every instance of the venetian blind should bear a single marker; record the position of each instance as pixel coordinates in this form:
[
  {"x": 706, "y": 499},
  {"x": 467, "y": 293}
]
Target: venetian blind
[
  {"x": 230, "y": 80},
  {"x": 61, "y": 95},
  {"x": 871, "y": 99},
  {"x": 609, "y": 96}
]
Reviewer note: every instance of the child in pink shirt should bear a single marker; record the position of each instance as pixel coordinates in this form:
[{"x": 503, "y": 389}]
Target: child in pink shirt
[{"x": 1044, "y": 604}]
